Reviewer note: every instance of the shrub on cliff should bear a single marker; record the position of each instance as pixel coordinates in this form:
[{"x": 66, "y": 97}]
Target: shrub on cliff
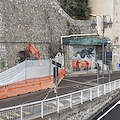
[{"x": 77, "y": 9}]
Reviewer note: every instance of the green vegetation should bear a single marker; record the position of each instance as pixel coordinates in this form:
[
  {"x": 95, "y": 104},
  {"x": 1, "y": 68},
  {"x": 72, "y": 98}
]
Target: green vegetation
[{"x": 77, "y": 9}]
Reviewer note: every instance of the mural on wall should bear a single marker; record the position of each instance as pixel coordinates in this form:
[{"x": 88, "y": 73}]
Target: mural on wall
[
  {"x": 84, "y": 53},
  {"x": 83, "y": 57}
]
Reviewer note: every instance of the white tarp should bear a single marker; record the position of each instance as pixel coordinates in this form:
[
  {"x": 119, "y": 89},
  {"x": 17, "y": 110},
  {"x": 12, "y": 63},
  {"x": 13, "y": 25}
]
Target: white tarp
[{"x": 27, "y": 70}]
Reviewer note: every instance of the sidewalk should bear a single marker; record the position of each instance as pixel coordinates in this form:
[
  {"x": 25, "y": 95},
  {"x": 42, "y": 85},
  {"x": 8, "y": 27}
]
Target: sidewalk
[
  {"x": 92, "y": 71},
  {"x": 92, "y": 74}
]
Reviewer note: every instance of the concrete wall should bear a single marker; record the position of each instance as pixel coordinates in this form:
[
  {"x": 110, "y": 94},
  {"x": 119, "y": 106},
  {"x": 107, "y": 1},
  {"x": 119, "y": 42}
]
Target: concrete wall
[
  {"x": 116, "y": 34},
  {"x": 39, "y": 22},
  {"x": 85, "y": 111},
  {"x": 68, "y": 58}
]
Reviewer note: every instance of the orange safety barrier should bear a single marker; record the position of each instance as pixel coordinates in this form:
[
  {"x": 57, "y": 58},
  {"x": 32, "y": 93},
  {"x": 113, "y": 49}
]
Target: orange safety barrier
[
  {"x": 29, "y": 85},
  {"x": 82, "y": 63}
]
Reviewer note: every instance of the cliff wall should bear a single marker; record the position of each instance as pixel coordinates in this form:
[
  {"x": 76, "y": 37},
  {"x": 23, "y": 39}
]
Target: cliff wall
[{"x": 39, "y": 22}]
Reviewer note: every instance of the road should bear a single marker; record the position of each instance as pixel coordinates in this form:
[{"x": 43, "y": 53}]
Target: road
[
  {"x": 68, "y": 84},
  {"x": 114, "y": 114},
  {"x": 111, "y": 112}
]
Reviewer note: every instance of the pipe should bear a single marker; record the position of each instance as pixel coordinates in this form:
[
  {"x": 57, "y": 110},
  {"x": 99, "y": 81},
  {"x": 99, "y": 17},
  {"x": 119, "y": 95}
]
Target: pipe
[{"x": 76, "y": 35}]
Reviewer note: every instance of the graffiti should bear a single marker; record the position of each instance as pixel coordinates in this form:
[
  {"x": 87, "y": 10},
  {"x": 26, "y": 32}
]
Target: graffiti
[
  {"x": 85, "y": 53},
  {"x": 82, "y": 64}
]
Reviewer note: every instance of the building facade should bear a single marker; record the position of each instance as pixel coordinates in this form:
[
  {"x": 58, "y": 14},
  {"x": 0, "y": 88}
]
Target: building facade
[
  {"x": 81, "y": 52},
  {"x": 111, "y": 9}
]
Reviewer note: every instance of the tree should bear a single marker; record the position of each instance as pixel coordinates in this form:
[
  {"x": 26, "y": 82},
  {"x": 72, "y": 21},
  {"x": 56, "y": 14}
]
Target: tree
[
  {"x": 82, "y": 11},
  {"x": 77, "y": 9}
]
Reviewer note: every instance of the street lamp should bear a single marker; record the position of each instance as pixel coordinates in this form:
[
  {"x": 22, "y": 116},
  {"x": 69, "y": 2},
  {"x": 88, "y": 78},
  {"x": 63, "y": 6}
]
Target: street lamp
[{"x": 105, "y": 25}]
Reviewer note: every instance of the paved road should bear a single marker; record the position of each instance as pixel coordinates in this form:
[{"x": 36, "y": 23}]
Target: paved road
[
  {"x": 114, "y": 114},
  {"x": 111, "y": 112},
  {"x": 69, "y": 84}
]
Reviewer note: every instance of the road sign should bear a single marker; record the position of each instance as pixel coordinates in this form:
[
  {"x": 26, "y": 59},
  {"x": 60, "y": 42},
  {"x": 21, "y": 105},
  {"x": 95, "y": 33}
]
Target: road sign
[
  {"x": 56, "y": 63},
  {"x": 107, "y": 55},
  {"x": 119, "y": 66}
]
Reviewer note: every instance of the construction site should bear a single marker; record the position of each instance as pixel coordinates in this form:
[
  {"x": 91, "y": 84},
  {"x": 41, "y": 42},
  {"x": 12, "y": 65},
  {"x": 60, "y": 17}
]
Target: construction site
[{"x": 30, "y": 37}]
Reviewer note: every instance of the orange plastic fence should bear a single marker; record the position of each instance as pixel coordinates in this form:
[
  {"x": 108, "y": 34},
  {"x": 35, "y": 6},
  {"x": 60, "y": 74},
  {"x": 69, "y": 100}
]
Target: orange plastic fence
[
  {"x": 29, "y": 85},
  {"x": 82, "y": 63}
]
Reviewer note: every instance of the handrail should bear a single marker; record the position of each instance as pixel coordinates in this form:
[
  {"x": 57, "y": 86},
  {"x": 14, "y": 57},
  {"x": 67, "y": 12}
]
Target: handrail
[
  {"x": 56, "y": 97},
  {"x": 106, "y": 88}
]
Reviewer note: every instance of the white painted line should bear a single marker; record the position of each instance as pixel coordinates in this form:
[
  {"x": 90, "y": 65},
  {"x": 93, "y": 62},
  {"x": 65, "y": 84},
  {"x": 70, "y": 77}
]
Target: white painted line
[
  {"x": 60, "y": 104},
  {"x": 119, "y": 102},
  {"x": 109, "y": 110},
  {"x": 72, "y": 81},
  {"x": 77, "y": 99},
  {"x": 82, "y": 83}
]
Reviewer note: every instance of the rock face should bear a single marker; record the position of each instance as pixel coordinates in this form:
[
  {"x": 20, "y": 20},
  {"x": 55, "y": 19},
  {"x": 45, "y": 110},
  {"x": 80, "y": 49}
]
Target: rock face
[{"x": 39, "y": 22}]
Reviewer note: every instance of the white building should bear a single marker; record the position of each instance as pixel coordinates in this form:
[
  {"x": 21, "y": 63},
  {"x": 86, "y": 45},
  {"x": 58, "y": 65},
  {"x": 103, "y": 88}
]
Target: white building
[{"x": 111, "y": 7}]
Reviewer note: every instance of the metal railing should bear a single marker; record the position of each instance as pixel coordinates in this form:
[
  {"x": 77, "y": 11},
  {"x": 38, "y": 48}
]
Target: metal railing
[{"x": 45, "y": 107}]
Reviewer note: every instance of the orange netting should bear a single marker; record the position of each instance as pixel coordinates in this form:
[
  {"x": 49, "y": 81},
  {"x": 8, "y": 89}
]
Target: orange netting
[{"x": 29, "y": 85}]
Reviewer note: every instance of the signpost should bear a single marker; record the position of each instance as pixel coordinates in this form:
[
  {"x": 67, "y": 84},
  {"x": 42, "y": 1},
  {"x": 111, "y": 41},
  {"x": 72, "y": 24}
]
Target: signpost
[
  {"x": 56, "y": 63},
  {"x": 55, "y": 74},
  {"x": 107, "y": 60}
]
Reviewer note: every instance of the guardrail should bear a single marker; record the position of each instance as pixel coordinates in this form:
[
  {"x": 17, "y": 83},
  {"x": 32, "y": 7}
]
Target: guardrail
[{"x": 45, "y": 107}]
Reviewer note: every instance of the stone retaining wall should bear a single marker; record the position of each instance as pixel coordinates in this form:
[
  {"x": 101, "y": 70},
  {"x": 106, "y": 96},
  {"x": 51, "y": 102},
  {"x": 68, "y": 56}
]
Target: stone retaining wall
[{"x": 39, "y": 22}]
